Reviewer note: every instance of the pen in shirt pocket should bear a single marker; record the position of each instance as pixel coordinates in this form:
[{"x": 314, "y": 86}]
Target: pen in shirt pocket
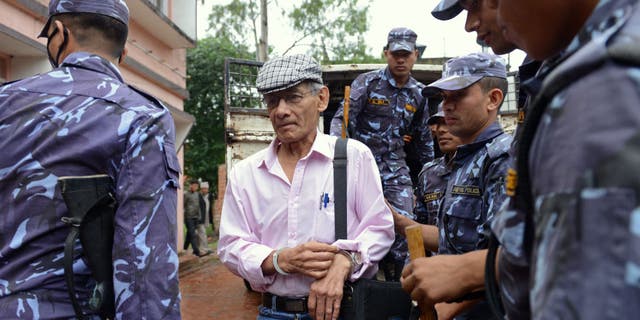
[{"x": 324, "y": 200}]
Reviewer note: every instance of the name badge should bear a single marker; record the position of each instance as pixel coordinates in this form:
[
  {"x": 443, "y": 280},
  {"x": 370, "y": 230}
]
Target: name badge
[
  {"x": 378, "y": 102},
  {"x": 466, "y": 190},
  {"x": 432, "y": 196}
]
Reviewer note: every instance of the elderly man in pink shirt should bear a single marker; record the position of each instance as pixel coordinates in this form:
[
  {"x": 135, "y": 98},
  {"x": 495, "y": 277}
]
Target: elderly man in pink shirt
[{"x": 277, "y": 227}]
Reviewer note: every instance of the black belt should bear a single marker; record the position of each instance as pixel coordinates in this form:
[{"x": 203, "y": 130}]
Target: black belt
[{"x": 284, "y": 304}]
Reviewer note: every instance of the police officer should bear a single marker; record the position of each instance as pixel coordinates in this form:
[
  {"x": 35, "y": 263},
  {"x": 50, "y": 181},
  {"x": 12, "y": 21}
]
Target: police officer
[
  {"x": 473, "y": 89},
  {"x": 577, "y": 176},
  {"x": 82, "y": 119},
  {"x": 432, "y": 181},
  {"x": 481, "y": 18},
  {"x": 432, "y": 185},
  {"x": 386, "y": 112}
]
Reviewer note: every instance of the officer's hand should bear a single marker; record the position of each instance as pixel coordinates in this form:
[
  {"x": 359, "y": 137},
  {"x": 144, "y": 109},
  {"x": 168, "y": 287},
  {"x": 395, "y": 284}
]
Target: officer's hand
[
  {"x": 325, "y": 294},
  {"x": 440, "y": 278},
  {"x": 312, "y": 259}
]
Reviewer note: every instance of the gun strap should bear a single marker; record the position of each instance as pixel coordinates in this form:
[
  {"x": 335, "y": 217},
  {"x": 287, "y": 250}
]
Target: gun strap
[
  {"x": 340, "y": 188},
  {"x": 68, "y": 269}
]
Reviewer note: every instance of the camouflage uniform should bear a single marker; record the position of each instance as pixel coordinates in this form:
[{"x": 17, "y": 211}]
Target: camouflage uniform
[
  {"x": 475, "y": 191},
  {"x": 508, "y": 224},
  {"x": 475, "y": 187},
  {"x": 81, "y": 119},
  {"x": 584, "y": 181},
  {"x": 380, "y": 114},
  {"x": 432, "y": 183}
]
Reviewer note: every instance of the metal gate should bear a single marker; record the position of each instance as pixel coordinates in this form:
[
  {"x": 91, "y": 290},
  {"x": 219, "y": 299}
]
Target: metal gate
[{"x": 247, "y": 125}]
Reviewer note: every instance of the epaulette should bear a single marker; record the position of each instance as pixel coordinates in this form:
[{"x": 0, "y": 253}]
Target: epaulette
[
  {"x": 499, "y": 146},
  {"x": 148, "y": 97}
]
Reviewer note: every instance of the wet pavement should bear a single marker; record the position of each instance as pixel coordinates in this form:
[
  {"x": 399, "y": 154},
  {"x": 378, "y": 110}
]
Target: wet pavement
[{"x": 210, "y": 291}]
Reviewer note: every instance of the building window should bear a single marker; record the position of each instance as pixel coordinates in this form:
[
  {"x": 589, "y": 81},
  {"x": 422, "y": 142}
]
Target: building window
[
  {"x": 162, "y": 5},
  {"x": 510, "y": 104}
]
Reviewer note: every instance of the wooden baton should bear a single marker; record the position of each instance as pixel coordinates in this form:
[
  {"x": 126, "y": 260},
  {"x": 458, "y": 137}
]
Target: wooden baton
[
  {"x": 345, "y": 111},
  {"x": 416, "y": 250}
]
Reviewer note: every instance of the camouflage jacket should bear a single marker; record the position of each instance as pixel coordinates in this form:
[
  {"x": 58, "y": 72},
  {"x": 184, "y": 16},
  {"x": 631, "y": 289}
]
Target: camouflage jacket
[
  {"x": 475, "y": 191},
  {"x": 432, "y": 184},
  {"x": 584, "y": 177},
  {"x": 82, "y": 119},
  {"x": 380, "y": 114}
]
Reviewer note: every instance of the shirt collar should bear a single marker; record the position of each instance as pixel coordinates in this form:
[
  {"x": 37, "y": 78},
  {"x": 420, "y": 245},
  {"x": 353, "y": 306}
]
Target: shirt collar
[
  {"x": 321, "y": 146},
  {"x": 411, "y": 82},
  {"x": 485, "y": 136},
  {"x": 86, "y": 60}
]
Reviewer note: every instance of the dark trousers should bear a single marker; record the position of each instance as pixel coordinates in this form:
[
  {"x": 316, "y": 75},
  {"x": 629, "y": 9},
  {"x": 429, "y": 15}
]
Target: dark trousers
[{"x": 192, "y": 237}]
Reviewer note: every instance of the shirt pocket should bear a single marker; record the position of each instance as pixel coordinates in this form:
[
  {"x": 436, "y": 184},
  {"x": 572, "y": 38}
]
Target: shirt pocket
[
  {"x": 323, "y": 223},
  {"x": 461, "y": 223},
  {"x": 172, "y": 166},
  {"x": 379, "y": 107}
]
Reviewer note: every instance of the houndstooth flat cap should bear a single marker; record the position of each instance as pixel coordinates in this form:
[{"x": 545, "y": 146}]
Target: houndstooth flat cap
[{"x": 285, "y": 72}]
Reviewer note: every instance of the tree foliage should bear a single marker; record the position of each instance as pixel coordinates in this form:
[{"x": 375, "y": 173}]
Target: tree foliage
[
  {"x": 236, "y": 21},
  {"x": 333, "y": 29},
  {"x": 205, "y": 147}
]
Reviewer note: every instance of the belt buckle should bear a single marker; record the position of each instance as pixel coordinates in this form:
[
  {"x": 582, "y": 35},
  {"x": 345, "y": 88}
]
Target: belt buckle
[{"x": 295, "y": 306}]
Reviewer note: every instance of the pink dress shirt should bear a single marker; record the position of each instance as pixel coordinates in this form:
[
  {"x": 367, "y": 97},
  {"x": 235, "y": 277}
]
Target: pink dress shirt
[{"x": 263, "y": 211}]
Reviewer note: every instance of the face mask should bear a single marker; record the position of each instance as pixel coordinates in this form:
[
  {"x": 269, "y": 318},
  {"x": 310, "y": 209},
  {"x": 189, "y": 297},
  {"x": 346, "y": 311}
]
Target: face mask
[{"x": 65, "y": 33}]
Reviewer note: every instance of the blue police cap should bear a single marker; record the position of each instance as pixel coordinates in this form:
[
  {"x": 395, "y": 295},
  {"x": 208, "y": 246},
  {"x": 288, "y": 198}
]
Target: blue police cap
[
  {"x": 401, "y": 39},
  {"x": 434, "y": 117},
  {"x": 446, "y": 9},
  {"x": 464, "y": 71},
  {"x": 116, "y": 9},
  {"x": 286, "y": 72}
]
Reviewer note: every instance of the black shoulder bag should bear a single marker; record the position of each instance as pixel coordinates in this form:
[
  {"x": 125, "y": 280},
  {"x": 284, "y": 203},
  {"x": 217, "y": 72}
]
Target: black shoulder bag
[{"x": 368, "y": 299}]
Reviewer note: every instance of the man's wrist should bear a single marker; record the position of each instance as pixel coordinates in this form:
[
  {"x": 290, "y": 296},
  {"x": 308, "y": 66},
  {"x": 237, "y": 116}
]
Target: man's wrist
[
  {"x": 275, "y": 262},
  {"x": 474, "y": 261},
  {"x": 354, "y": 259}
]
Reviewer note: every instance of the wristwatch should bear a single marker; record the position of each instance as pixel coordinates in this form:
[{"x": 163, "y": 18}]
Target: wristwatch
[{"x": 355, "y": 257}]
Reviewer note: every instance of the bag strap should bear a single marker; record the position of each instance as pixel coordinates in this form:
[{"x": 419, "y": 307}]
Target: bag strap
[{"x": 340, "y": 188}]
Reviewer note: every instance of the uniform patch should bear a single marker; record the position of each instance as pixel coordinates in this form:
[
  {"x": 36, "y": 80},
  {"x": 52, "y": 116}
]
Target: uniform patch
[
  {"x": 512, "y": 182},
  {"x": 466, "y": 190},
  {"x": 379, "y": 102},
  {"x": 432, "y": 196},
  {"x": 410, "y": 108}
]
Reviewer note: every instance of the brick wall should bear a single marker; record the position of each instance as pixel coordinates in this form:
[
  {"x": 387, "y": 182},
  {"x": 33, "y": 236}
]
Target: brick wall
[{"x": 222, "y": 186}]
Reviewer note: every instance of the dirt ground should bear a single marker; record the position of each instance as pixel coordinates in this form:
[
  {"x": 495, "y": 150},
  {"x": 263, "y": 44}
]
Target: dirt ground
[{"x": 210, "y": 291}]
